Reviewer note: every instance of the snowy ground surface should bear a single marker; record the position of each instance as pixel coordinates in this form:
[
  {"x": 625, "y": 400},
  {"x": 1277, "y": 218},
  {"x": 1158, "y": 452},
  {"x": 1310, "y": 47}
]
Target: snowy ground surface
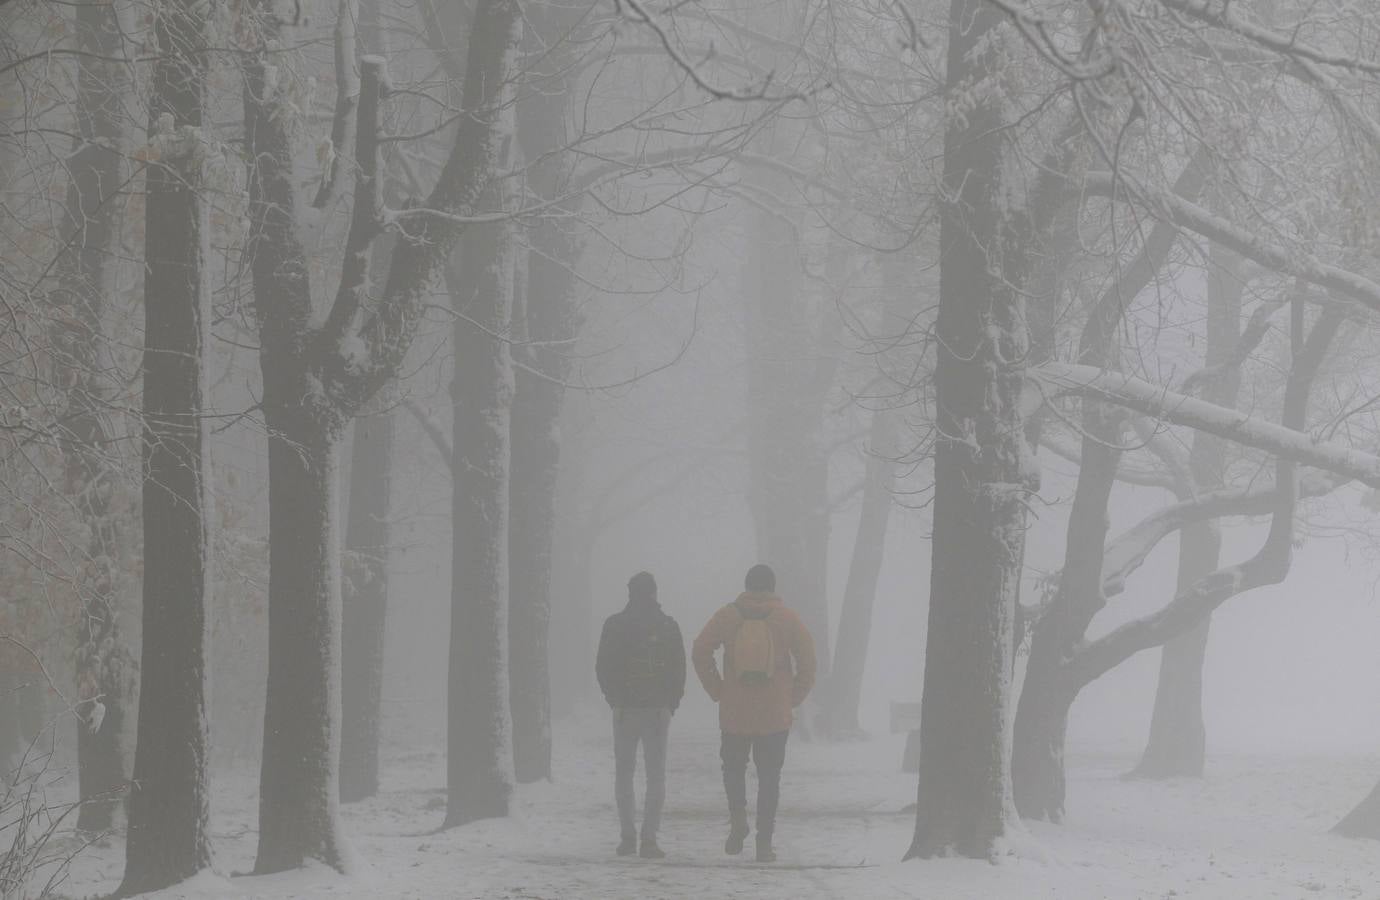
[{"x": 1254, "y": 828}]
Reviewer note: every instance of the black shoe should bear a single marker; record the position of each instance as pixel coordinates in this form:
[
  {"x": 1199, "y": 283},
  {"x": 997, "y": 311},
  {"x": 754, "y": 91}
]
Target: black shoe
[
  {"x": 627, "y": 847},
  {"x": 765, "y": 854},
  {"x": 737, "y": 833},
  {"x": 651, "y": 851}
]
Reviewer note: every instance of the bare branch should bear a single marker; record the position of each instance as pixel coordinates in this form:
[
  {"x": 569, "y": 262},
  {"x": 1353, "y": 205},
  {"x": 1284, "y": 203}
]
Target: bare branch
[{"x": 1225, "y": 423}]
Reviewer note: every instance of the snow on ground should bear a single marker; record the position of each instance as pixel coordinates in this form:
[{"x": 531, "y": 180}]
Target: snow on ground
[{"x": 1255, "y": 828}]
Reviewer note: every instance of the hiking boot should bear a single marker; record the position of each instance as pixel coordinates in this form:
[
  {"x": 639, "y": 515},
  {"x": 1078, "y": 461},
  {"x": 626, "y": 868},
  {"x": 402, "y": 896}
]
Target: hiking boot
[
  {"x": 737, "y": 831},
  {"x": 650, "y": 850},
  {"x": 627, "y": 847},
  {"x": 765, "y": 854}
]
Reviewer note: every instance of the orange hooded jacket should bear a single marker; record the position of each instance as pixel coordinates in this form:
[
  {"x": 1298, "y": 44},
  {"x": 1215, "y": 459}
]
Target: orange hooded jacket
[{"x": 756, "y": 708}]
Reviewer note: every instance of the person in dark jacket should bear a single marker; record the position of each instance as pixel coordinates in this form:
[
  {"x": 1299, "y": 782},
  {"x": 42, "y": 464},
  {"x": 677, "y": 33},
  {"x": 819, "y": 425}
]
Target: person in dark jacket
[{"x": 641, "y": 670}]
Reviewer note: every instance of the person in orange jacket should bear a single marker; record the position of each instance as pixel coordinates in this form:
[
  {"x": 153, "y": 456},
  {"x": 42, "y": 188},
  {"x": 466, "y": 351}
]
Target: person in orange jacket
[{"x": 768, "y": 670}]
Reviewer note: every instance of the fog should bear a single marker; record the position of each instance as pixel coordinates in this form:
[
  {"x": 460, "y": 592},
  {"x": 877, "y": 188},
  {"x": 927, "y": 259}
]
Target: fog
[{"x": 800, "y": 449}]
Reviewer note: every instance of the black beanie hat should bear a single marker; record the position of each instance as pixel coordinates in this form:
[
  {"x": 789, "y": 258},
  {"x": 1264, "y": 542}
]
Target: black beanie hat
[
  {"x": 760, "y": 578},
  {"x": 642, "y": 586}
]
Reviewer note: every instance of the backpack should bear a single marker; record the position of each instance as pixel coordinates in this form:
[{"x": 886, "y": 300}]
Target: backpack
[{"x": 754, "y": 654}]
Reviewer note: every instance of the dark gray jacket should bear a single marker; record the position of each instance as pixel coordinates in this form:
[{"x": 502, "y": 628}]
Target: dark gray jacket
[{"x": 641, "y": 658}]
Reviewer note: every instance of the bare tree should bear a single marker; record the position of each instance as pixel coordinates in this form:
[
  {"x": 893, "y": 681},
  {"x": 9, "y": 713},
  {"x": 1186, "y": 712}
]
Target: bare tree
[
  {"x": 169, "y": 837},
  {"x": 104, "y": 666},
  {"x": 982, "y": 471},
  {"x": 1177, "y": 744},
  {"x": 317, "y": 375},
  {"x": 479, "y": 727}
]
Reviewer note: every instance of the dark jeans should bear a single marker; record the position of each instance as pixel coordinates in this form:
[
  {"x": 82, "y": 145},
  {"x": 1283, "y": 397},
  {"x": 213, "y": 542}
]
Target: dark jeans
[
  {"x": 768, "y": 752},
  {"x": 646, "y": 726}
]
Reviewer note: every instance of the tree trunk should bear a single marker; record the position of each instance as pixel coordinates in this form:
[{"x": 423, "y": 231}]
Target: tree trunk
[
  {"x": 788, "y": 494},
  {"x": 318, "y": 376},
  {"x": 844, "y": 689},
  {"x": 1037, "y": 762},
  {"x": 1177, "y": 745},
  {"x": 572, "y": 657},
  {"x": 1178, "y": 739},
  {"x": 103, "y": 667},
  {"x": 536, "y": 454},
  {"x": 1364, "y": 820},
  {"x": 299, "y": 780},
  {"x": 982, "y": 471},
  {"x": 365, "y": 604},
  {"x": 479, "y": 728},
  {"x": 547, "y": 320},
  {"x": 368, "y": 535},
  {"x": 1042, "y": 713},
  {"x": 168, "y": 838}
]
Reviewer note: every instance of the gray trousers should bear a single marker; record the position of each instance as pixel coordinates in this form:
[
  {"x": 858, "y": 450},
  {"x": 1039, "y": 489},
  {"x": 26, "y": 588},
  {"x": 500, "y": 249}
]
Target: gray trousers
[{"x": 649, "y": 726}]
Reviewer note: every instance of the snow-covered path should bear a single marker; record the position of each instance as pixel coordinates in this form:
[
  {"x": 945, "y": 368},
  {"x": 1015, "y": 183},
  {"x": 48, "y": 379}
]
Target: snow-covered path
[{"x": 1253, "y": 829}]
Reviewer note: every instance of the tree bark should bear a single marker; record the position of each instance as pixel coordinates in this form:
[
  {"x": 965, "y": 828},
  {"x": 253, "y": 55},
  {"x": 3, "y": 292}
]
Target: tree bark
[
  {"x": 318, "y": 376},
  {"x": 1177, "y": 744},
  {"x": 982, "y": 471},
  {"x": 479, "y": 745},
  {"x": 368, "y": 539},
  {"x": 168, "y": 838},
  {"x": 103, "y": 666},
  {"x": 1047, "y": 694},
  {"x": 479, "y": 724},
  {"x": 844, "y": 689},
  {"x": 298, "y": 793}
]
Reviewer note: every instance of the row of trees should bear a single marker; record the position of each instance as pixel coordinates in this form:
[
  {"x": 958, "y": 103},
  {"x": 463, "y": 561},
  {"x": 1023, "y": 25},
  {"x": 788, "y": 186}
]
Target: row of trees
[{"x": 1037, "y": 196}]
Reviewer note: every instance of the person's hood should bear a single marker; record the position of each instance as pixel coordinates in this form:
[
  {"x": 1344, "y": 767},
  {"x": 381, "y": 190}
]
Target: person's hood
[{"x": 758, "y": 603}]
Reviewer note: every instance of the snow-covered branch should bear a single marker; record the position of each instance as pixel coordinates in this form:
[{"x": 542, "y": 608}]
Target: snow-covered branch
[
  {"x": 1270, "y": 565},
  {"x": 1229, "y": 424},
  {"x": 1290, "y": 261},
  {"x": 1222, "y": 15},
  {"x": 1125, "y": 553}
]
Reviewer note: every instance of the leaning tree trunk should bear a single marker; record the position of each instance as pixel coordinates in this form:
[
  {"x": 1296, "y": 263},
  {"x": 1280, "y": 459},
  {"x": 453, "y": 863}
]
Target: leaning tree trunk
[
  {"x": 843, "y": 690},
  {"x": 479, "y": 726},
  {"x": 364, "y": 595},
  {"x": 1042, "y": 714},
  {"x": 982, "y": 470},
  {"x": 86, "y": 281},
  {"x": 168, "y": 837},
  {"x": 1364, "y": 820},
  {"x": 1177, "y": 745},
  {"x": 1049, "y": 690},
  {"x": 1064, "y": 662}
]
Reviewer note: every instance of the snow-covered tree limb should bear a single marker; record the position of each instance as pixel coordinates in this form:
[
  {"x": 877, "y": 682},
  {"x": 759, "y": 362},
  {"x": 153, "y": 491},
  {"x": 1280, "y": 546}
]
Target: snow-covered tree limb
[
  {"x": 1125, "y": 553},
  {"x": 1268, "y": 566},
  {"x": 1229, "y": 424},
  {"x": 1290, "y": 261}
]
